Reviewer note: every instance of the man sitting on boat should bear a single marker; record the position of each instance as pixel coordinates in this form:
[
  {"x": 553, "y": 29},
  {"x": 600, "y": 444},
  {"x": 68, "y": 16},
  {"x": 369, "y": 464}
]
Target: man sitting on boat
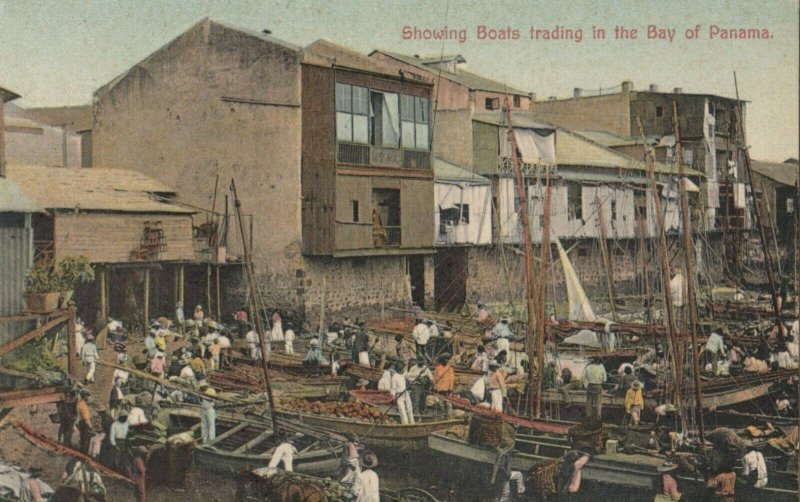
[
  {"x": 314, "y": 357},
  {"x": 284, "y": 453},
  {"x": 482, "y": 316}
]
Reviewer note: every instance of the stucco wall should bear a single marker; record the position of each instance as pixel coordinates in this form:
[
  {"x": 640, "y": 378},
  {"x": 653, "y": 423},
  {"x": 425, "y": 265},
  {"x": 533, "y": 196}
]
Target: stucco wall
[
  {"x": 609, "y": 113},
  {"x": 167, "y": 118}
]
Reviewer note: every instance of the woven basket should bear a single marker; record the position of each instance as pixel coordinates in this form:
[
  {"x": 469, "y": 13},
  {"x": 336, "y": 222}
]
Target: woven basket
[
  {"x": 486, "y": 430},
  {"x": 542, "y": 478}
]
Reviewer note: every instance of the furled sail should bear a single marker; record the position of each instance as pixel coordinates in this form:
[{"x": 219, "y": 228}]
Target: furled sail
[{"x": 579, "y": 307}]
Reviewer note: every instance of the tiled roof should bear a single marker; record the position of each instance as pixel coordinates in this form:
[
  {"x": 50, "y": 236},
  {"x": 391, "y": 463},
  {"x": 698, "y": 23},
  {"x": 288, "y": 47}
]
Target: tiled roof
[{"x": 784, "y": 173}]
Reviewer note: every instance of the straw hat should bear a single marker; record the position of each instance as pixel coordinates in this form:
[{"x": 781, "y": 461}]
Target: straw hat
[{"x": 369, "y": 460}]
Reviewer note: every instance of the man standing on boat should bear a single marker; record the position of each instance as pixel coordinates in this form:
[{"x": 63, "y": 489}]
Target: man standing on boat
[
  {"x": 208, "y": 418},
  {"x": 421, "y": 335},
  {"x": 594, "y": 376},
  {"x": 497, "y": 386},
  {"x": 715, "y": 347},
  {"x": 502, "y": 333},
  {"x": 399, "y": 393}
]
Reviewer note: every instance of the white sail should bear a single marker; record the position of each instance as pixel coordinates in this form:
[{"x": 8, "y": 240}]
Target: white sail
[{"x": 579, "y": 307}]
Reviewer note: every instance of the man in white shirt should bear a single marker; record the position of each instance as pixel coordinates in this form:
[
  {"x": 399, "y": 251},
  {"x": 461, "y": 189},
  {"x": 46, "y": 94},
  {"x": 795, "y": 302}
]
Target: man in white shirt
[
  {"x": 399, "y": 392},
  {"x": 755, "y": 467},
  {"x": 137, "y": 417},
  {"x": 252, "y": 343},
  {"x": 366, "y": 485},
  {"x": 288, "y": 339},
  {"x": 284, "y": 453},
  {"x": 715, "y": 346},
  {"x": 421, "y": 334}
]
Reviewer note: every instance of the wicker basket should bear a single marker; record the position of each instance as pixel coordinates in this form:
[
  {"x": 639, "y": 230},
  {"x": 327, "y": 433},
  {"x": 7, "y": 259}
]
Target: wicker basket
[
  {"x": 486, "y": 430},
  {"x": 542, "y": 478}
]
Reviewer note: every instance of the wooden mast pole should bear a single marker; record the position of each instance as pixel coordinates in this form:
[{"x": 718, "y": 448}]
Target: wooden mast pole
[
  {"x": 528, "y": 248},
  {"x": 237, "y": 204},
  {"x": 606, "y": 258},
  {"x": 645, "y": 271},
  {"x": 756, "y": 208},
  {"x": 688, "y": 254},
  {"x": 543, "y": 265},
  {"x": 677, "y": 363}
]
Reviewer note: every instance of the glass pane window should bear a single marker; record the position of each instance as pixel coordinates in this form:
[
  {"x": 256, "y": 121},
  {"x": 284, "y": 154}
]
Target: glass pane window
[
  {"x": 360, "y": 100},
  {"x": 344, "y": 100},
  {"x": 344, "y": 126},
  {"x": 408, "y": 134},
  {"x": 360, "y": 129},
  {"x": 407, "y": 107},
  {"x": 422, "y": 136},
  {"x": 421, "y": 110}
]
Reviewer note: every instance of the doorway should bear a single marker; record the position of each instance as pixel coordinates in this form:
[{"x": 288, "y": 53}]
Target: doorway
[
  {"x": 450, "y": 278},
  {"x": 416, "y": 274}
]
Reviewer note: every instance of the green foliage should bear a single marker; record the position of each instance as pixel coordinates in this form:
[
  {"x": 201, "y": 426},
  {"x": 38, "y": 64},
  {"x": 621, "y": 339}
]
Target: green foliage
[{"x": 66, "y": 275}]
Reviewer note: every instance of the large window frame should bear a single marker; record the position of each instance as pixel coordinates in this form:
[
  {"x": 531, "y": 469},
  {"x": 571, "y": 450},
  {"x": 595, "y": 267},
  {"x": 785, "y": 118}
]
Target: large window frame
[{"x": 361, "y": 120}]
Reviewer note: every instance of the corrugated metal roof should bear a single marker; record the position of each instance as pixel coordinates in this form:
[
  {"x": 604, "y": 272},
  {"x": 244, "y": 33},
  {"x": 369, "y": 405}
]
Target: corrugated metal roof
[
  {"x": 610, "y": 140},
  {"x": 339, "y": 55},
  {"x": 782, "y": 172},
  {"x": 463, "y": 77},
  {"x": 92, "y": 189},
  {"x": 444, "y": 170},
  {"x": 14, "y": 200},
  {"x": 519, "y": 119},
  {"x": 603, "y": 178}
]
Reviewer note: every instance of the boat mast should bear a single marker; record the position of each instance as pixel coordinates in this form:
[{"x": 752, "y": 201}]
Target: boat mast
[
  {"x": 543, "y": 265},
  {"x": 677, "y": 362},
  {"x": 606, "y": 258},
  {"x": 248, "y": 266},
  {"x": 688, "y": 255},
  {"x": 756, "y": 208},
  {"x": 528, "y": 248}
]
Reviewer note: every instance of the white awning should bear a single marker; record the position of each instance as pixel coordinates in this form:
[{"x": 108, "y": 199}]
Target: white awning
[{"x": 534, "y": 148}]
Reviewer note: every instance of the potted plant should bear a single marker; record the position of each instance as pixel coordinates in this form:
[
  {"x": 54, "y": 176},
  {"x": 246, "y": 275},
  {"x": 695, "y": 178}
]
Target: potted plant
[
  {"x": 46, "y": 286},
  {"x": 41, "y": 293},
  {"x": 70, "y": 272}
]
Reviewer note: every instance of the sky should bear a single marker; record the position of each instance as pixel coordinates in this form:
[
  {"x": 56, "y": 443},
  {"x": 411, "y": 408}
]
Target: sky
[{"x": 55, "y": 52}]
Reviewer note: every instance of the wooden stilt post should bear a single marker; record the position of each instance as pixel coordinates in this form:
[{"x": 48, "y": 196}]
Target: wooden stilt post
[
  {"x": 146, "y": 298},
  {"x": 606, "y": 257},
  {"x": 208, "y": 289},
  {"x": 216, "y": 283},
  {"x": 103, "y": 293},
  {"x": 72, "y": 356},
  {"x": 181, "y": 282}
]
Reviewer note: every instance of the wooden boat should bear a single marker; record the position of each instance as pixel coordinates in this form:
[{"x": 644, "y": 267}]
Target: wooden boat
[
  {"x": 629, "y": 470},
  {"x": 717, "y": 393},
  {"x": 246, "y": 441},
  {"x": 465, "y": 378},
  {"x": 395, "y": 436}
]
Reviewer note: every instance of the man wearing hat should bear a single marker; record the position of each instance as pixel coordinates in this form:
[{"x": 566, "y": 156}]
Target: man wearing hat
[
  {"x": 634, "y": 401},
  {"x": 715, "y": 347},
  {"x": 502, "y": 333},
  {"x": 288, "y": 339},
  {"x": 314, "y": 357},
  {"x": 284, "y": 453},
  {"x": 90, "y": 356},
  {"x": 399, "y": 392},
  {"x": 366, "y": 485},
  {"x": 421, "y": 334},
  {"x": 84, "y": 418},
  {"x": 208, "y": 416},
  {"x": 594, "y": 376}
]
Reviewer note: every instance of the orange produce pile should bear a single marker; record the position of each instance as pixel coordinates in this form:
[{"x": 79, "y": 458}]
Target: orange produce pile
[{"x": 357, "y": 411}]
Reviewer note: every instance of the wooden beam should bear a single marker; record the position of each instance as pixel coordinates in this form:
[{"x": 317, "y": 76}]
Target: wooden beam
[
  {"x": 146, "y": 299},
  {"x": 208, "y": 289},
  {"x": 103, "y": 298},
  {"x": 13, "y": 344},
  {"x": 216, "y": 283},
  {"x": 181, "y": 285},
  {"x": 72, "y": 357},
  {"x": 29, "y": 397},
  {"x": 19, "y": 317}
]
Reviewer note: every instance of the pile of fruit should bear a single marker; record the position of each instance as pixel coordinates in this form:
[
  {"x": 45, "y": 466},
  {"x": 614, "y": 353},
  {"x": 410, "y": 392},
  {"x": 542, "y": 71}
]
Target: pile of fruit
[{"x": 357, "y": 411}]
